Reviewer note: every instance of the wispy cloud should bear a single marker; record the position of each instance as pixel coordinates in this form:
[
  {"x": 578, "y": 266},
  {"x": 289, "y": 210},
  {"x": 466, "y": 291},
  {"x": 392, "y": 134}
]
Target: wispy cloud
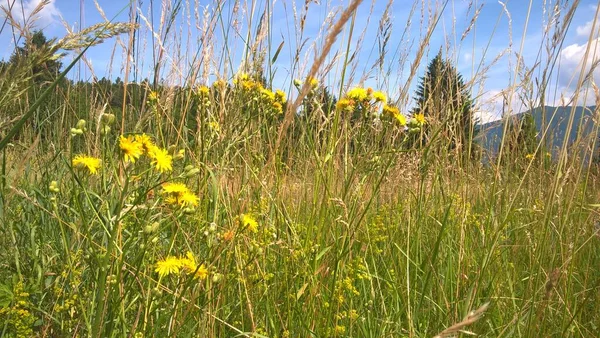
[
  {"x": 37, "y": 13},
  {"x": 577, "y": 58}
]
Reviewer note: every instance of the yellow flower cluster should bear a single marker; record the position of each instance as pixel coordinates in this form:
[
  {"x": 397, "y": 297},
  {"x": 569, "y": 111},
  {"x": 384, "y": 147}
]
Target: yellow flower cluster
[
  {"x": 179, "y": 194},
  {"x": 187, "y": 264},
  {"x": 18, "y": 315},
  {"x": 133, "y": 147},
  {"x": 274, "y": 100},
  {"x": 364, "y": 100}
]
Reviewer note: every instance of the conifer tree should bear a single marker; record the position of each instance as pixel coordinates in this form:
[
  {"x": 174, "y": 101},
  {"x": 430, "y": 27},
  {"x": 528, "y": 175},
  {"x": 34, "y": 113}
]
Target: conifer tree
[{"x": 444, "y": 100}]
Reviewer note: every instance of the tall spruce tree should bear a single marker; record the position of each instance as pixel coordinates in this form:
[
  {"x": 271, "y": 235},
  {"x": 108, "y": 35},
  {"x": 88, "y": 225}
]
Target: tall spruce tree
[{"x": 446, "y": 103}]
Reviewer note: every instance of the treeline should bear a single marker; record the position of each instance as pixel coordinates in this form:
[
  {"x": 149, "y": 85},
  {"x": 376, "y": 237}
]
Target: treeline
[{"x": 443, "y": 117}]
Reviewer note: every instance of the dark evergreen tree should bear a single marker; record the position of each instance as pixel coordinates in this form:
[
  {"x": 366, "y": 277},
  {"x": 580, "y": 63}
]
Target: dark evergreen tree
[
  {"x": 446, "y": 103},
  {"x": 36, "y": 51}
]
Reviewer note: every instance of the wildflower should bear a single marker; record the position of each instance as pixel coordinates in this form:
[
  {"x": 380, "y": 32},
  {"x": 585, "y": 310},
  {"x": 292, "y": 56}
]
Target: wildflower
[
  {"x": 249, "y": 222},
  {"x": 529, "y": 156},
  {"x": 243, "y": 77},
  {"x": 399, "y": 118},
  {"x": 420, "y": 119},
  {"x": 357, "y": 94},
  {"x": 249, "y": 85},
  {"x": 131, "y": 148},
  {"x": 190, "y": 266},
  {"x": 203, "y": 90},
  {"x": 277, "y": 107},
  {"x": 314, "y": 83},
  {"x": 167, "y": 266},
  {"x": 390, "y": 110},
  {"x": 268, "y": 94},
  {"x": 280, "y": 96},
  {"x": 379, "y": 97},
  {"x": 91, "y": 163},
  {"x": 174, "y": 188},
  {"x": 214, "y": 126},
  {"x": 188, "y": 199},
  {"x": 202, "y": 272},
  {"x": 145, "y": 141},
  {"x": 153, "y": 96},
  {"x": 161, "y": 159},
  {"x": 345, "y": 105}
]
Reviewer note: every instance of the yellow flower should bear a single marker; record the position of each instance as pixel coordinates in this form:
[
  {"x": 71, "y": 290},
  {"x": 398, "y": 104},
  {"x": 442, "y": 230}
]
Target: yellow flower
[
  {"x": 280, "y": 96},
  {"x": 179, "y": 194},
  {"x": 145, "y": 141},
  {"x": 190, "y": 266},
  {"x": 189, "y": 262},
  {"x": 358, "y": 94},
  {"x": 379, "y": 97},
  {"x": 172, "y": 200},
  {"x": 202, "y": 272},
  {"x": 420, "y": 119},
  {"x": 529, "y": 156},
  {"x": 188, "y": 199},
  {"x": 203, "y": 90},
  {"x": 161, "y": 159},
  {"x": 91, "y": 163},
  {"x": 390, "y": 110},
  {"x": 277, "y": 107},
  {"x": 153, "y": 96},
  {"x": 344, "y": 105},
  {"x": 167, "y": 266},
  {"x": 249, "y": 222},
  {"x": 174, "y": 188},
  {"x": 400, "y": 118},
  {"x": 268, "y": 94},
  {"x": 214, "y": 126},
  {"x": 314, "y": 83},
  {"x": 131, "y": 148}
]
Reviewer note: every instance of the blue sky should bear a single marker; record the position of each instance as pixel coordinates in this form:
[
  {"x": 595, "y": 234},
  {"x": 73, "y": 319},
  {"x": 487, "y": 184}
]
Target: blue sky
[{"x": 492, "y": 43}]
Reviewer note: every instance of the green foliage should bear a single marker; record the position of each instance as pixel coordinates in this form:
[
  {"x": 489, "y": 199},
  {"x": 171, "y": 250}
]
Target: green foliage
[
  {"x": 154, "y": 210},
  {"x": 522, "y": 137}
]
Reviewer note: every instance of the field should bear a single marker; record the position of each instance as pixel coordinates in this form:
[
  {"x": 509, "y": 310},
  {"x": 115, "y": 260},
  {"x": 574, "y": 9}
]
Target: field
[{"x": 243, "y": 182}]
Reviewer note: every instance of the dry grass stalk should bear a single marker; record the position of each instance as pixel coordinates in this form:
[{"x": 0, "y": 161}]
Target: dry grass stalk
[
  {"x": 329, "y": 41},
  {"x": 471, "y": 318}
]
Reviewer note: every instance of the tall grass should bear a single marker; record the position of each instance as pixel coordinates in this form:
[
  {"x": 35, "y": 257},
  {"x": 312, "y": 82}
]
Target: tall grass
[{"x": 300, "y": 218}]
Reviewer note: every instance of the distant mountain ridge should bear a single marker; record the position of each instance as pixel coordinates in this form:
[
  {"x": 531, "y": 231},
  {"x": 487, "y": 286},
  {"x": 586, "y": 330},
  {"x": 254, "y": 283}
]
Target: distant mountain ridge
[{"x": 556, "y": 120}]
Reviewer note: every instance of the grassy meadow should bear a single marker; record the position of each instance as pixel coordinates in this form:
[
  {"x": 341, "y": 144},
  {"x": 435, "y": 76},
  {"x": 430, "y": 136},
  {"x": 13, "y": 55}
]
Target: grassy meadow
[{"x": 217, "y": 195}]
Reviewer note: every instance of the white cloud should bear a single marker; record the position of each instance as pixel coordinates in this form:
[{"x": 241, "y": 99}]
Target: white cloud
[
  {"x": 573, "y": 59},
  {"x": 22, "y": 11},
  {"x": 587, "y": 27}
]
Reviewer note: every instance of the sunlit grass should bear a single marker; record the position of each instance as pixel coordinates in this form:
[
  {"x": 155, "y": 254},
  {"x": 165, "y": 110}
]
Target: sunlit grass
[{"x": 195, "y": 211}]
